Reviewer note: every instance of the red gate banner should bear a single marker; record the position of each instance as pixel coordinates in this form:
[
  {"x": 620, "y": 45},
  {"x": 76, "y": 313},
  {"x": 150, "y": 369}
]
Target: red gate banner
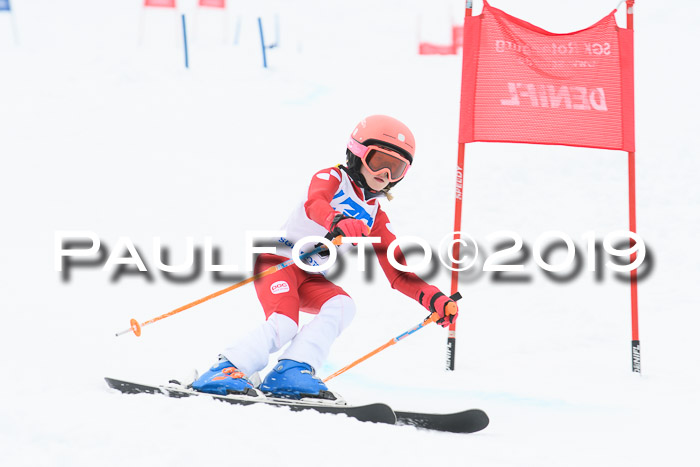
[
  {"x": 522, "y": 84},
  {"x": 160, "y": 3},
  {"x": 213, "y": 3}
]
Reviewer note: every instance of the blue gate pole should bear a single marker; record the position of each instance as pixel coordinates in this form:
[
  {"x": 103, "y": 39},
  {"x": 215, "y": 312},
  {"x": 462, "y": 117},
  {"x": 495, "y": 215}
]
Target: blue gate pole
[
  {"x": 184, "y": 36},
  {"x": 237, "y": 33},
  {"x": 262, "y": 42}
]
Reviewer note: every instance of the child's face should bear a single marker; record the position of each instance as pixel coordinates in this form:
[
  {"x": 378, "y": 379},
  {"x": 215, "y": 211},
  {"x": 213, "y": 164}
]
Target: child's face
[{"x": 375, "y": 182}]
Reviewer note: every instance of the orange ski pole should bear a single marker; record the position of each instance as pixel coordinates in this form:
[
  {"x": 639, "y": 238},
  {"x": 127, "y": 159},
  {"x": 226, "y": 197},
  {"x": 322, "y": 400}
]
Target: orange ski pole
[
  {"x": 136, "y": 326},
  {"x": 433, "y": 317}
]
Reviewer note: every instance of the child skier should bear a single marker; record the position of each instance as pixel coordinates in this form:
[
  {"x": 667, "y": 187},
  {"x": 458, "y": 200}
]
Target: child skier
[{"x": 341, "y": 200}]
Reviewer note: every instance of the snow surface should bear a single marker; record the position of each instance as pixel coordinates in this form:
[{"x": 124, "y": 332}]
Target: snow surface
[{"x": 100, "y": 133}]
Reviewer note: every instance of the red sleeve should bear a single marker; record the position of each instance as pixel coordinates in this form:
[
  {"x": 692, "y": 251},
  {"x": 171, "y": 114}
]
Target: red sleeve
[
  {"x": 407, "y": 283},
  {"x": 322, "y": 188}
]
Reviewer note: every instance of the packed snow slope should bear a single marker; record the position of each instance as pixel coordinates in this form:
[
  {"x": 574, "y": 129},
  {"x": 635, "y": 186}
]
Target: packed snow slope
[{"x": 100, "y": 133}]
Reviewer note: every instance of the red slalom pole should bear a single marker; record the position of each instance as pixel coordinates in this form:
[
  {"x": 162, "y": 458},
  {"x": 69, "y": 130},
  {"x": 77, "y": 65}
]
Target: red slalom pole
[
  {"x": 636, "y": 350},
  {"x": 452, "y": 331}
]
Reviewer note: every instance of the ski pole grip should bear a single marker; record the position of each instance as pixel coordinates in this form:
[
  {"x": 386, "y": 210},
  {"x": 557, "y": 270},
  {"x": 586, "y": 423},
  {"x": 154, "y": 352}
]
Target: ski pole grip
[
  {"x": 434, "y": 316},
  {"x": 335, "y": 240},
  {"x": 451, "y": 308}
]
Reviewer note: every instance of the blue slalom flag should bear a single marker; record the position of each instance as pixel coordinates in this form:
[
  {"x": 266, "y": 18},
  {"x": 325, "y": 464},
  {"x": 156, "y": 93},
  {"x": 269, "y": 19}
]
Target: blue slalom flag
[{"x": 5, "y": 5}]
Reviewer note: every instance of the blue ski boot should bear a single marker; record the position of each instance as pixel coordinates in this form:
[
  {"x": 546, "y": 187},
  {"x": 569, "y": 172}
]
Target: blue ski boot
[
  {"x": 294, "y": 380},
  {"x": 223, "y": 378}
]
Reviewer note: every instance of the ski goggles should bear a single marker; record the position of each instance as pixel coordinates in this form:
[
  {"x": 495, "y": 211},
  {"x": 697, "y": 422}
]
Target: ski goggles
[{"x": 378, "y": 159}]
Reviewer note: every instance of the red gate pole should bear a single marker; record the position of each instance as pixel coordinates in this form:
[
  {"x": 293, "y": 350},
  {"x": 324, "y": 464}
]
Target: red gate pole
[
  {"x": 636, "y": 355},
  {"x": 452, "y": 331}
]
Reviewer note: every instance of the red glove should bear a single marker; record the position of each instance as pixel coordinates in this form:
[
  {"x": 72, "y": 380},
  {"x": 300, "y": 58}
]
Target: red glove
[
  {"x": 348, "y": 226},
  {"x": 437, "y": 302}
]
